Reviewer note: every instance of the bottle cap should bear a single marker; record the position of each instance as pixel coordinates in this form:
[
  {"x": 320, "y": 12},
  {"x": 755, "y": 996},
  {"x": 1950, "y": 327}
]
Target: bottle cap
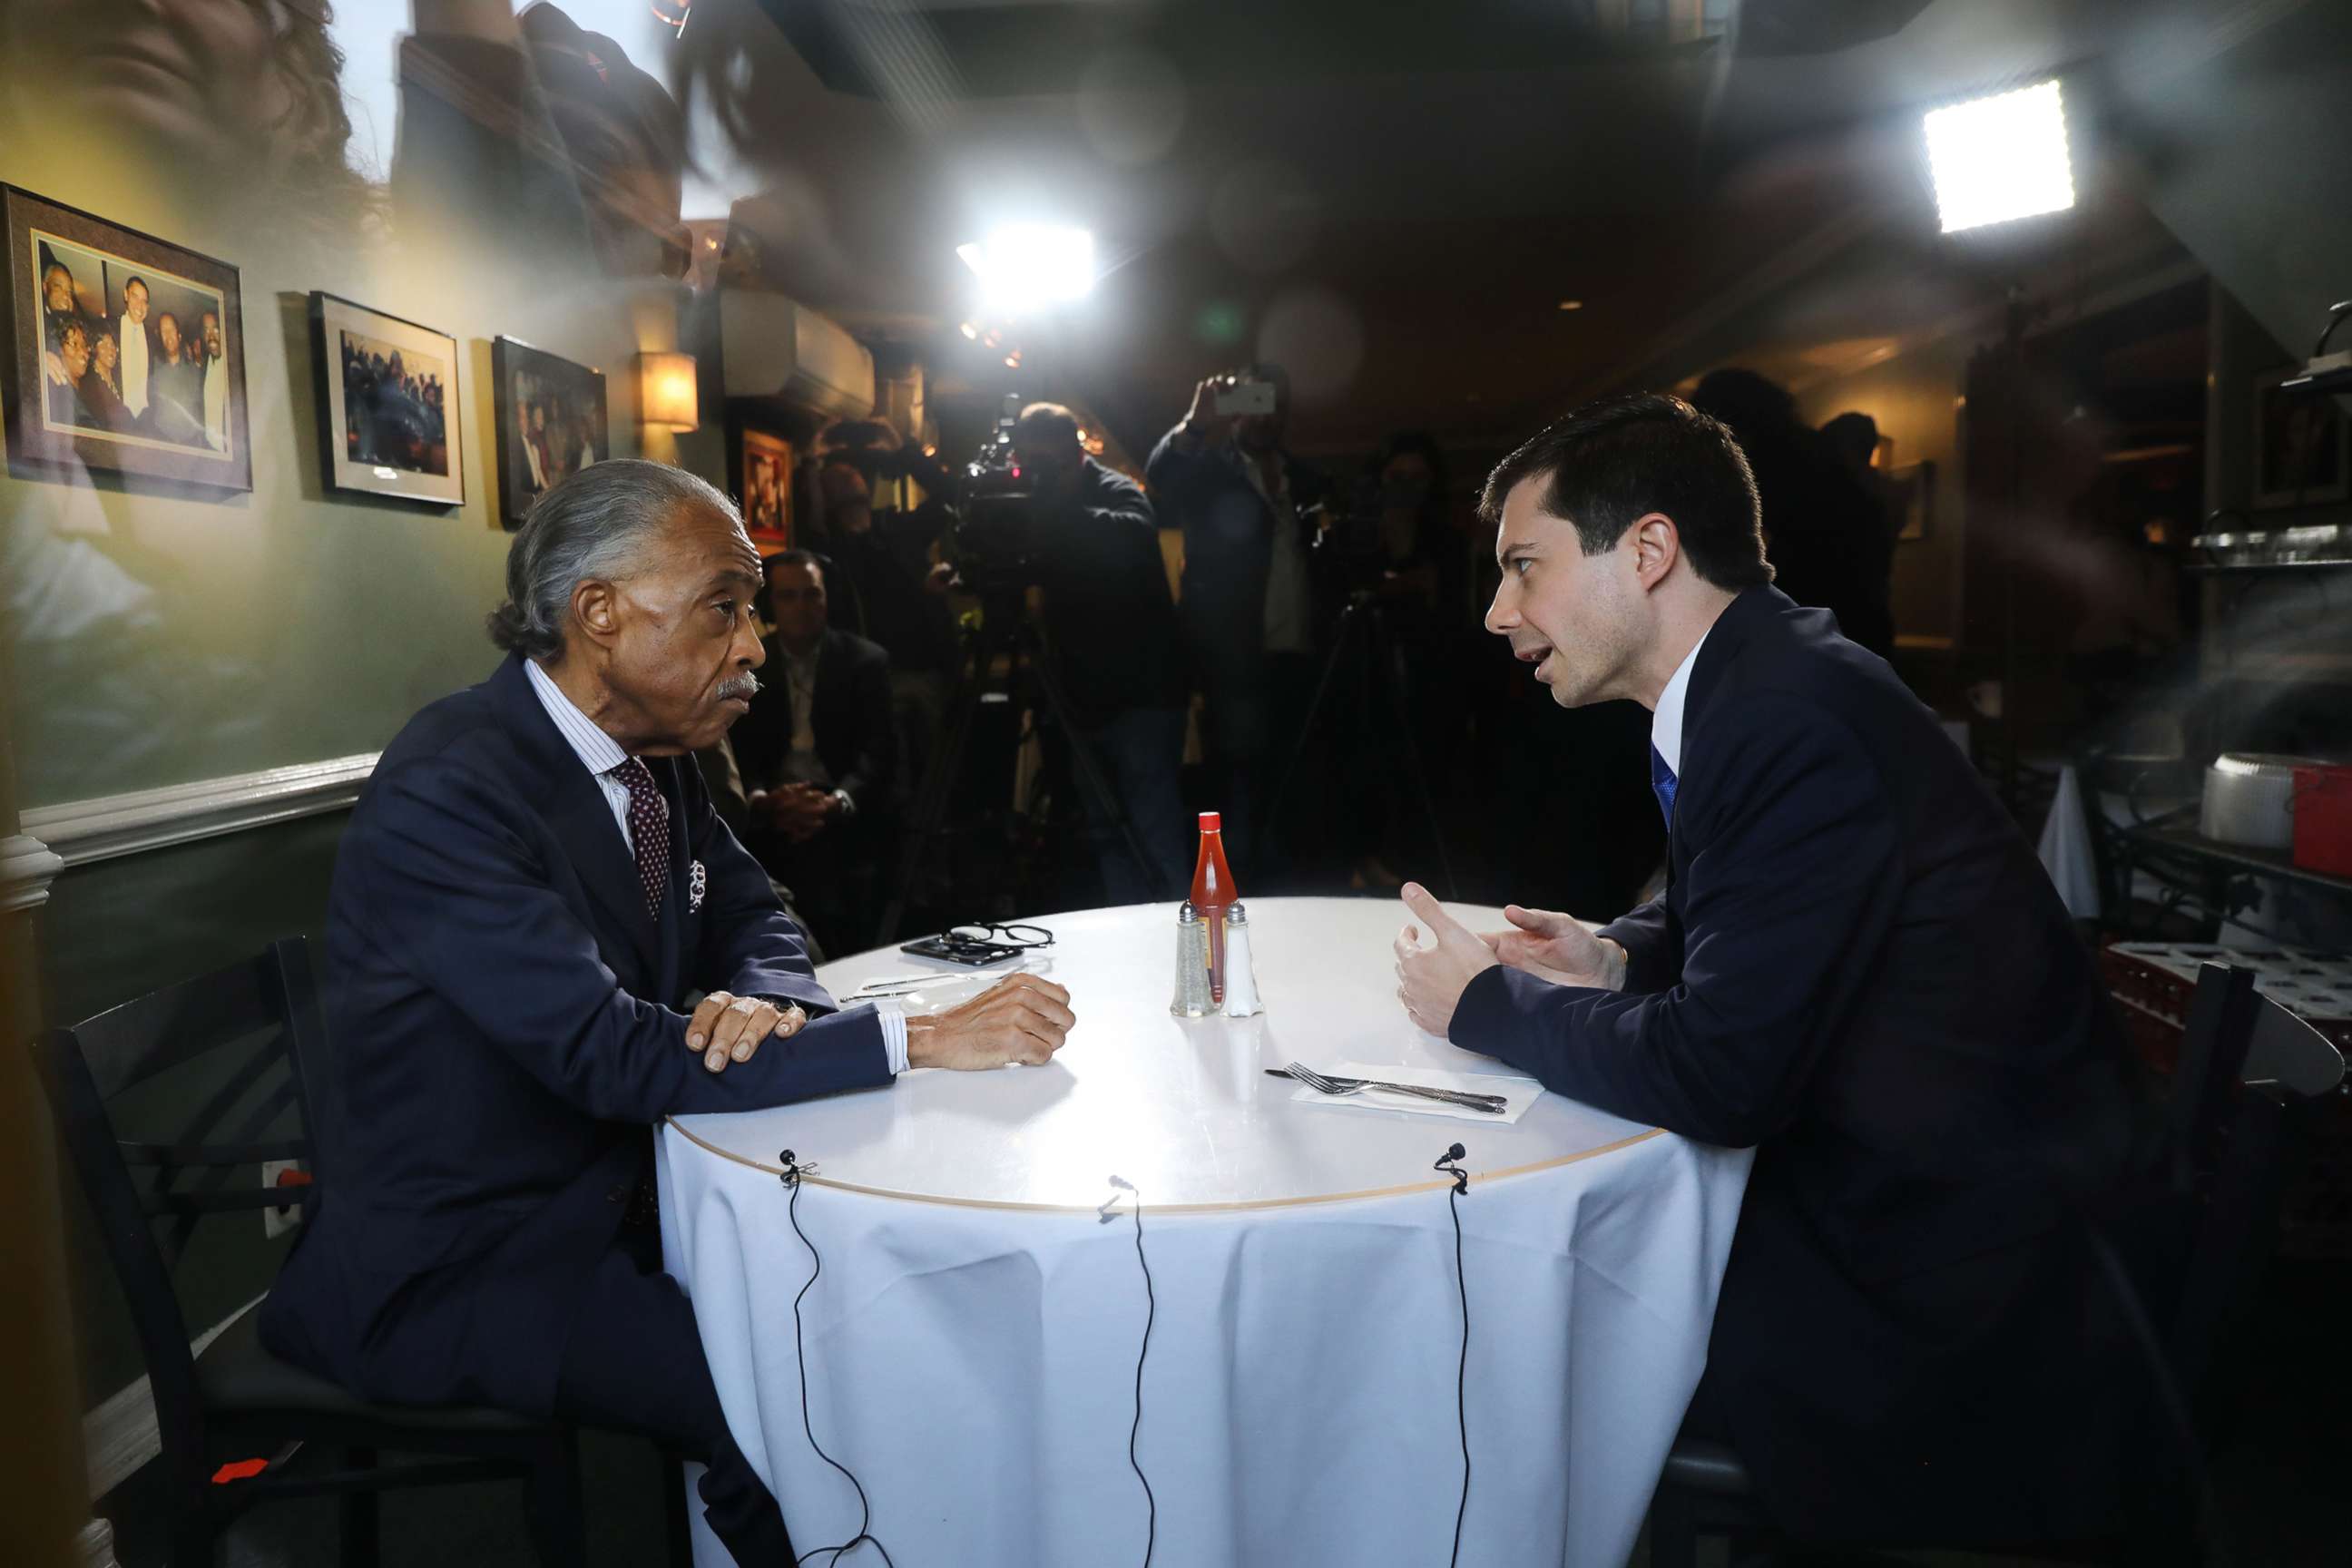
[{"x": 1210, "y": 823}]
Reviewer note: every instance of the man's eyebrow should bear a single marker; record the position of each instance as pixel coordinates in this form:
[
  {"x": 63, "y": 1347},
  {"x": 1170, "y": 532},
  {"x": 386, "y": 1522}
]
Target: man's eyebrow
[
  {"x": 735, "y": 575},
  {"x": 1509, "y": 545}
]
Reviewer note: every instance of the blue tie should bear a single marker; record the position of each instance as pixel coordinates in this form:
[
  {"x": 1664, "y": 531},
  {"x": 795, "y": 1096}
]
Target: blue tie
[{"x": 1662, "y": 781}]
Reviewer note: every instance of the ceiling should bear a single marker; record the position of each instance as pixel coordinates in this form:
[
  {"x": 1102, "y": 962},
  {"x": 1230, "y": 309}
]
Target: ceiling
[{"x": 1392, "y": 205}]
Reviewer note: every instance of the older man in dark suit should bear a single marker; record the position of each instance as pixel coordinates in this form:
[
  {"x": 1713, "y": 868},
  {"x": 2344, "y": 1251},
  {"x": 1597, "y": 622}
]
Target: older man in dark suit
[
  {"x": 530, "y": 898},
  {"x": 1859, "y": 969}
]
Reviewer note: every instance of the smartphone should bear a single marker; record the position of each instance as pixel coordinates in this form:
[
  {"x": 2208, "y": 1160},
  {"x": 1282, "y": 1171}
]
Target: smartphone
[{"x": 1239, "y": 398}]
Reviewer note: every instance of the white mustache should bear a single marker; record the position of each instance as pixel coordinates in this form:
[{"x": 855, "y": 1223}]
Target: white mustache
[{"x": 746, "y": 686}]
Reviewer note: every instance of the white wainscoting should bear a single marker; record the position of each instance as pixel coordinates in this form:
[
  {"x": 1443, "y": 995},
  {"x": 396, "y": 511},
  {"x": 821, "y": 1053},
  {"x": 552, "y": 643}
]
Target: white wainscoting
[
  {"x": 82, "y": 831},
  {"x": 28, "y": 867}
]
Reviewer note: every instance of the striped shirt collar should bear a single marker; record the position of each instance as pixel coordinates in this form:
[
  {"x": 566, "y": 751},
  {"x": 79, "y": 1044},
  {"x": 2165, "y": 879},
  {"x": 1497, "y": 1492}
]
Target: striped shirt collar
[{"x": 597, "y": 751}]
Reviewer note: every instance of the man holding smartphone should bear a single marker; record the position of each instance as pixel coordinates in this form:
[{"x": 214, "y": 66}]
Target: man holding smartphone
[{"x": 1247, "y": 614}]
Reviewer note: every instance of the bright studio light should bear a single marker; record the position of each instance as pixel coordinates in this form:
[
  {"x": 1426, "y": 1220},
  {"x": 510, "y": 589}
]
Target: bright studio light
[
  {"x": 2000, "y": 158},
  {"x": 1027, "y": 266}
]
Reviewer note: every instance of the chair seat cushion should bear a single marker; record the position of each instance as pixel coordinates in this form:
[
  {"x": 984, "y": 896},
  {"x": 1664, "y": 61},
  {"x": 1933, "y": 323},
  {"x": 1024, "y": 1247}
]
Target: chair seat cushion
[
  {"x": 1709, "y": 1468},
  {"x": 235, "y": 1375}
]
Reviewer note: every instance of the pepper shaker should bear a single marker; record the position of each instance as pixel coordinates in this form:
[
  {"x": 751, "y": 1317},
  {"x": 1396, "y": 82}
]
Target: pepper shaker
[{"x": 1192, "y": 966}]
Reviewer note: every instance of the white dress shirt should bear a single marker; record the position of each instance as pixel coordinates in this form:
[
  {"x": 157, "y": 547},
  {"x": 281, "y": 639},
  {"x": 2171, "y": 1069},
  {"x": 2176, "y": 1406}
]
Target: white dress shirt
[
  {"x": 600, "y": 754},
  {"x": 132, "y": 342},
  {"x": 216, "y": 402},
  {"x": 1667, "y": 723}
]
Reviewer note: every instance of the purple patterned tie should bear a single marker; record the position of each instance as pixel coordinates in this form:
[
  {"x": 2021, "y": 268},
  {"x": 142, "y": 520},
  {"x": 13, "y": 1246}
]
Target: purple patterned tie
[{"x": 648, "y": 829}]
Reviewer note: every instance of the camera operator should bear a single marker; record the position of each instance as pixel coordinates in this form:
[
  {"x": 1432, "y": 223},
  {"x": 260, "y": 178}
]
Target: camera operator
[
  {"x": 1116, "y": 643},
  {"x": 885, "y": 586},
  {"x": 1248, "y": 613}
]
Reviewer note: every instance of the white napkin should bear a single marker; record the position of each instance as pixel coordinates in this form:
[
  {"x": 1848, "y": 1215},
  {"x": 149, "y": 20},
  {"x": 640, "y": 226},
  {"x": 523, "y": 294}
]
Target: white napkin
[
  {"x": 2065, "y": 849},
  {"x": 1517, "y": 1092}
]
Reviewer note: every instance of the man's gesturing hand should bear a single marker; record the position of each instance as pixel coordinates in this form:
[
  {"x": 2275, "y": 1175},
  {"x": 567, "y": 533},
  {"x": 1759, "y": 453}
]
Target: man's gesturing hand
[
  {"x": 1022, "y": 1018},
  {"x": 727, "y": 1027},
  {"x": 1556, "y": 947},
  {"x": 1430, "y": 981}
]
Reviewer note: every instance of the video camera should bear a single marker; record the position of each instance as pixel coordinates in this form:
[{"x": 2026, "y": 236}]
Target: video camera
[{"x": 999, "y": 548}]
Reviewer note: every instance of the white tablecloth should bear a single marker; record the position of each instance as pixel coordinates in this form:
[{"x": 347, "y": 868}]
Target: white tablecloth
[{"x": 971, "y": 1343}]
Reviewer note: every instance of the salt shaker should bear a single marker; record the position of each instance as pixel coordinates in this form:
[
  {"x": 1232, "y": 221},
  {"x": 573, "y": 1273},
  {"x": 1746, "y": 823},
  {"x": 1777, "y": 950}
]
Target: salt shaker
[
  {"x": 1241, "y": 979},
  {"x": 1192, "y": 966}
]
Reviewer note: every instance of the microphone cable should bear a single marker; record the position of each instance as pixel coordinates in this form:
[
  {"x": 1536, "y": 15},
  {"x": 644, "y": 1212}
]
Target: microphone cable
[
  {"x": 1151, "y": 1311},
  {"x": 1451, "y": 1164},
  {"x": 792, "y": 1172}
]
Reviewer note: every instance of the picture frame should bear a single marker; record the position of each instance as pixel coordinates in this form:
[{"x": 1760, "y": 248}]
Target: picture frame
[
  {"x": 388, "y": 404},
  {"x": 1911, "y": 494},
  {"x": 551, "y": 420},
  {"x": 73, "y": 399},
  {"x": 2303, "y": 452},
  {"x": 760, "y": 464}
]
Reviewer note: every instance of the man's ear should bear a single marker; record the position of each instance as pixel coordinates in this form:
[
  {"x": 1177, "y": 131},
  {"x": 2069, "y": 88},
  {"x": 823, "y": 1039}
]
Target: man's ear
[
  {"x": 1657, "y": 545},
  {"x": 596, "y": 609}
]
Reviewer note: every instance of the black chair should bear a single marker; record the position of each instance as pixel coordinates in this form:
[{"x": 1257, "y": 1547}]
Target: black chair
[
  {"x": 2246, "y": 1065},
  {"x": 256, "y": 1024}
]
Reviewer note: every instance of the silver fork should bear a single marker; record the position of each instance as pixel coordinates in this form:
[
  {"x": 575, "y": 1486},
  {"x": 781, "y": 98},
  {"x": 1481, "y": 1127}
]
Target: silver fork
[{"x": 1493, "y": 1103}]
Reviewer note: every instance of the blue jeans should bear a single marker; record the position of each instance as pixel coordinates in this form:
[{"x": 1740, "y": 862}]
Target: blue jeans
[{"x": 1142, "y": 753}]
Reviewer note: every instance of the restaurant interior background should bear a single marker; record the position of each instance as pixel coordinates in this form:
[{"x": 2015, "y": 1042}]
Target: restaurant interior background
[{"x": 1459, "y": 220}]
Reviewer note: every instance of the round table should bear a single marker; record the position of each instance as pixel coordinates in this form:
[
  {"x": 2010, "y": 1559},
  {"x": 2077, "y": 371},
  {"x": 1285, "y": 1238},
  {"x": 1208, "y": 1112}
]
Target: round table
[{"x": 971, "y": 1344}]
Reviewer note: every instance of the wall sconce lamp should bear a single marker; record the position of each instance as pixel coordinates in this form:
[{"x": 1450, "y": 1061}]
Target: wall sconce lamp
[{"x": 665, "y": 392}]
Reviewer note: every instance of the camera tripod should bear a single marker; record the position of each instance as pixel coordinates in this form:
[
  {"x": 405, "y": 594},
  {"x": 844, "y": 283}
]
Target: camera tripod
[
  {"x": 1363, "y": 643},
  {"x": 1005, "y": 629}
]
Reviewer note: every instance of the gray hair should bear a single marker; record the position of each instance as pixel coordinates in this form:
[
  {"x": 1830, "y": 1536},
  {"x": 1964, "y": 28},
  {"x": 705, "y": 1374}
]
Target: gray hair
[{"x": 594, "y": 524}]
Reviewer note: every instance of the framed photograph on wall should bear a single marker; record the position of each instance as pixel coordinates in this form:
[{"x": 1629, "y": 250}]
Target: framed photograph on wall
[
  {"x": 550, "y": 420},
  {"x": 387, "y": 404},
  {"x": 2301, "y": 449},
  {"x": 125, "y": 352},
  {"x": 760, "y": 477}
]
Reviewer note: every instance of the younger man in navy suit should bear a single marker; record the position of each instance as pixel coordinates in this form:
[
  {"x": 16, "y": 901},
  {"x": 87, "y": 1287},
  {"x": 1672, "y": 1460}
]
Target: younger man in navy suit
[
  {"x": 531, "y": 891},
  {"x": 1859, "y": 969}
]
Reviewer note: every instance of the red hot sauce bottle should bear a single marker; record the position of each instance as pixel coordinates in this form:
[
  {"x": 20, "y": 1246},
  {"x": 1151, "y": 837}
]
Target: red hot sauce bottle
[{"x": 1213, "y": 894}]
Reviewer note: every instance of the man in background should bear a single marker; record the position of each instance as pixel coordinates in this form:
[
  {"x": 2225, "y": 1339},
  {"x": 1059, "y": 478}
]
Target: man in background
[
  {"x": 817, "y": 757},
  {"x": 138, "y": 352},
  {"x": 212, "y": 363},
  {"x": 1117, "y": 649},
  {"x": 1824, "y": 534},
  {"x": 1248, "y": 611},
  {"x": 59, "y": 307}
]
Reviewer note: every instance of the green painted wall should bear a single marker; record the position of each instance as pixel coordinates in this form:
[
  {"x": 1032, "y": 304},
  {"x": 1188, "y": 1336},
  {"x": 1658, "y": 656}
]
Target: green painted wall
[{"x": 157, "y": 637}]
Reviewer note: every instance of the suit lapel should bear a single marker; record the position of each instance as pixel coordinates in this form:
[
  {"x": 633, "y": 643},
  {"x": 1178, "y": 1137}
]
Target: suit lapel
[
  {"x": 1731, "y": 630},
  {"x": 581, "y": 818},
  {"x": 675, "y": 913}
]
